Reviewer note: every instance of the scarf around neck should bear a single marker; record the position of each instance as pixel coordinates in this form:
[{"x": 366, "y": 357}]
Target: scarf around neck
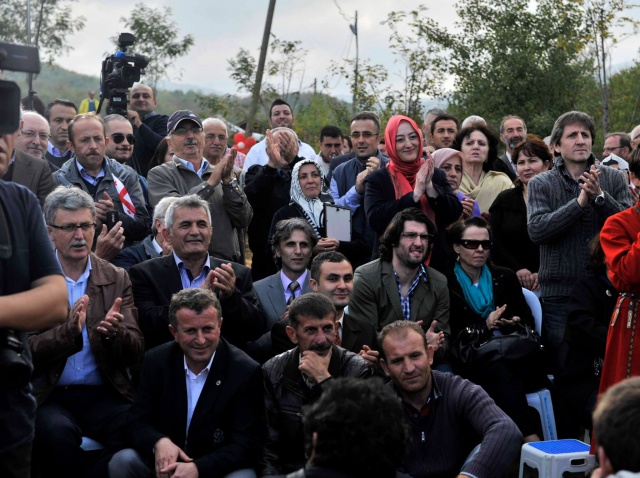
[
  {"x": 480, "y": 298},
  {"x": 312, "y": 209}
]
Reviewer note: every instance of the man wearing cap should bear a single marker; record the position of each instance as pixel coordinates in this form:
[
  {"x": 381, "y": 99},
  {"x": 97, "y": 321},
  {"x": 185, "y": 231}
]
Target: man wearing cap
[{"x": 190, "y": 173}]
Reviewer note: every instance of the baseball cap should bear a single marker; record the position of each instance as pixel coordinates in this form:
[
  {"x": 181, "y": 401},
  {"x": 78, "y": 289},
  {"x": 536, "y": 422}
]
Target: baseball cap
[{"x": 182, "y": 115}]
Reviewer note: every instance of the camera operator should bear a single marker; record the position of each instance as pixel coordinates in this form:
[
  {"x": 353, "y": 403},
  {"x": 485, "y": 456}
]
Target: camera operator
[
  {"x": 149, "y": 127},
  {"x": 33, "y": 295}
]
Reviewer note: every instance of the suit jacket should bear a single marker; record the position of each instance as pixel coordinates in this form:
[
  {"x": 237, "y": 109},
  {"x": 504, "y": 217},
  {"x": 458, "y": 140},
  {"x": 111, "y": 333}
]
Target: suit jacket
[
  {"x": 225, "y": 433},
  {"x": 503, "y": 165},
  {"x": 33, "y": 173},
  {"x": 376, "y": 298},
  {"x": 132, "y": 255},
  {"x": 356, "y": 332},
  {"x": 155, "y": 281},
  {"x": 51, "y": 348},
  {"x": 271, "y": 297}
]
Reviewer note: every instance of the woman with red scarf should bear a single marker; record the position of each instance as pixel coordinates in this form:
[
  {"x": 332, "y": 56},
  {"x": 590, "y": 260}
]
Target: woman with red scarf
[{"x": 409, "y": 180}]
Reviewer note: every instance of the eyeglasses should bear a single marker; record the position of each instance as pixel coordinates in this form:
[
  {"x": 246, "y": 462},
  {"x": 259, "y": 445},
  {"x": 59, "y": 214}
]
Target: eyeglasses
[
  {"x": 32, "y": 134},
  {"x": 612, "y": 148},
  {"x": 364, "y": 134},
  {"x": 473, "y": 244},
  {"x": 185, "y": 131},
  {"x": 119, "y": 138},
  {"x": 85, "y": 226},
  {"x": 412, "y": 236},
  {"x": 220, "y": 137}
]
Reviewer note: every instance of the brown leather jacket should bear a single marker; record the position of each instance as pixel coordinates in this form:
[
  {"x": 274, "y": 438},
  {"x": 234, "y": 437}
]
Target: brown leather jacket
[{"x": 51, "y": 348}]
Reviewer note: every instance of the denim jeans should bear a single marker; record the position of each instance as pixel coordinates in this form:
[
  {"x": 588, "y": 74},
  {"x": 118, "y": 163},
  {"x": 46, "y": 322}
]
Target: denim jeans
[{"x": 554, "y": 321}]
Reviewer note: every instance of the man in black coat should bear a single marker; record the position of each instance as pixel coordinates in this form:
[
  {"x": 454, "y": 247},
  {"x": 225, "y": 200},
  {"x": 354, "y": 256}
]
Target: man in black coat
[
  {"x": 188, "y": 230},
  {"x": 198, "y": 411}
]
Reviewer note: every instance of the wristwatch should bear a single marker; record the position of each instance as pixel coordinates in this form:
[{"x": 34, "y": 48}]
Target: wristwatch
[{"x": 598, "y": 201}]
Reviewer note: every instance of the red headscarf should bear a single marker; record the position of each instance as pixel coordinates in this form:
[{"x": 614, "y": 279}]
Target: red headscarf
[{"x": 403, "y": 175}]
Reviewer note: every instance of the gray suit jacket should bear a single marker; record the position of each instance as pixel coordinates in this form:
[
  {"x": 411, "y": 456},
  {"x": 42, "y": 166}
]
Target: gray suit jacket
[
  {"x": 271, "y": 297},
  {"x": 33, "y": 173}
]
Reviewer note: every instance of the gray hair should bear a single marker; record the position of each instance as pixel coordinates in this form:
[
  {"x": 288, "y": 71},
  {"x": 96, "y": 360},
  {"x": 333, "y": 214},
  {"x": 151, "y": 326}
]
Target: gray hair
[
  {"x": 570, "y": 118},
  {"x": 284, "y": 128},
  {"x": 469, "y": 120},
  {"x": 69, "y": 198},
  {"x": 195, "y": 299},
  {"x": 218, "y": 121},
  {"x": 284, "y": 230},
  {"x": 433, "y": 111},
  {"x": 160, "y": 211},
  {"x": 507, "y": 118},
  {"x": 191, "y": 202}
]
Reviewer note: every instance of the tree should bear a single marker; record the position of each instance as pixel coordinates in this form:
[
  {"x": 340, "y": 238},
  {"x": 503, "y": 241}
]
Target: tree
[
  {"x": 602, "y": 16},
  {"x": 52, "y": 24},
  {"x": 512, "y": 57},
  {"x": 157, "y": 38},
  {"x": 322, "y": 110}
]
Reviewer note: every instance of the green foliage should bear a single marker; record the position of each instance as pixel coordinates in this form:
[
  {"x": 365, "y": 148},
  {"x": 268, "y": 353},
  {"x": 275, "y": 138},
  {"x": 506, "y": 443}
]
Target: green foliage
[
  {"x": 52, "y": 24},
  {"x": 157, "y": 38},
  {"x": 322, "y": 110}
]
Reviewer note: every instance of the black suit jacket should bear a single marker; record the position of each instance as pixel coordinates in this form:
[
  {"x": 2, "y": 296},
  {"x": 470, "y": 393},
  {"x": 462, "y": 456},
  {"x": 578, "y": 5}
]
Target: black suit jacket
[
  {"x": 225, "y": 433},
  {"x": 33, "y": 173},
  {"x": 156, "y": 280},
  {"x": 356, "y": 332},
  {"x": 503, "y": 165}
]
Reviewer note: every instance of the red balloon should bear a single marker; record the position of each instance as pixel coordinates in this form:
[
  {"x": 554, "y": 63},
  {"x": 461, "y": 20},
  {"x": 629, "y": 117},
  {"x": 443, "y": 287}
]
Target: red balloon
[
  {"x": 238, "y": 137},
  {"x": 250, "y": 142}
]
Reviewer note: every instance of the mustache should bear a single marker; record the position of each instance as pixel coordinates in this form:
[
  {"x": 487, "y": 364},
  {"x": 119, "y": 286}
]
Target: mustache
[
  {"x": 189, "y": 142},
  {"x": 320, "y": 347},
  {"x": 78, "y": 244}
]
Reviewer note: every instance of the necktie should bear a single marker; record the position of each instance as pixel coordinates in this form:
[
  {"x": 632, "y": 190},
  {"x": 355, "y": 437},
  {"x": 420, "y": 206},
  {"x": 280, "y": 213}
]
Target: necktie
[
  {"x": 293, "y": 287},
  {"x": 338, "y": 341}
]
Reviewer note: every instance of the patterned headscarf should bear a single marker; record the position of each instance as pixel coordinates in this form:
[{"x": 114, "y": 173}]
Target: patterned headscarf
[{"x": 312, "y": 208}]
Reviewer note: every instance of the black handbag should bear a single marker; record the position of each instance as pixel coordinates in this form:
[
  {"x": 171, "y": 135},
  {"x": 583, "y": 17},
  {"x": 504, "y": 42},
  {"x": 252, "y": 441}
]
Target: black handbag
[{"x": 477, "y": 346}]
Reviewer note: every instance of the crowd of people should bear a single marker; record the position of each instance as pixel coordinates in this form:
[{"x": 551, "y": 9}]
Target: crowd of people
[{"x": 289, "y": 313}]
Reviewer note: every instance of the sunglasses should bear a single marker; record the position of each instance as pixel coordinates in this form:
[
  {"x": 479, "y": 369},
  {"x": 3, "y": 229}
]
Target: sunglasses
[
  {"x": 119, "y": 138},
  {"x": 473, "y": 244}
]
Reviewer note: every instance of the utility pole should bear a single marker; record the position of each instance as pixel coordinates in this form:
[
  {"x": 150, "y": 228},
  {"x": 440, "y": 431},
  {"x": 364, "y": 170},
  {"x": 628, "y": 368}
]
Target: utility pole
[
  {"x": 354, "y": 29},
  {"x": 255, "y": 97}
]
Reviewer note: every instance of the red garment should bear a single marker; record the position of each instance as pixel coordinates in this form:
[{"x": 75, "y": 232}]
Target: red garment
[
  {"x": 403, "y": 175},
  {"x": 620, "y": 239}
]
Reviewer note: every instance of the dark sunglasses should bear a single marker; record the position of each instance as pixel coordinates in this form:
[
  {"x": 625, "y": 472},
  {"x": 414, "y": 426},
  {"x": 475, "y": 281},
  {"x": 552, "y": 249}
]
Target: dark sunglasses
[
  {"x": 473, "y": 244},
  {"x": 119, "y": 138}
]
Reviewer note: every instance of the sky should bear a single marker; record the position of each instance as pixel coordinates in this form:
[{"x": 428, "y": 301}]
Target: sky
[{"x": 220, "y": 28}]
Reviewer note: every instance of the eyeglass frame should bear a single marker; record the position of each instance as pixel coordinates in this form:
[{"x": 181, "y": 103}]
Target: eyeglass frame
[
  {"x": 412, "y": 236},
  {"x": 467, "y": 242},
  {"x": 29, "y": 133},
  {"x": 71, "y": 228},
  {"x": 131, "y": 139},
  {"x": 365, "y": 134}
]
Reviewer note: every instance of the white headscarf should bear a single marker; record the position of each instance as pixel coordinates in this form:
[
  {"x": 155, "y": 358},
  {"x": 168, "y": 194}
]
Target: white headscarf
[{"x": 311, "y": 208}]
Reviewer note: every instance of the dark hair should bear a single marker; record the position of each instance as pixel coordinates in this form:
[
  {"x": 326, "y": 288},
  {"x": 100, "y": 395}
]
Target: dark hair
[
  {"x": 400, "y": 329},
  {"x": 70, "y": 104},
  {"x": 349, "y": 142},
  {"x": 443, "y": 117},
  {"x": 570, "y": 118},
  {"x": 160, "y": 152},
  {"x": 360, "y": 428},
  {"x": 311, "y": 304},
  {"x": 456, "y": 230},
  {"x": 625, "y": 139},
  {"x": 332, "y": 256},
  {"x": 492, "y": 140},
  {"x": 278, "y": 102},
  {"x": 507, "y": 118},
  {"x": 331, "y": 132},
  {"x": 391, "y": 236},
  {"x": 532, "y": 146},
  {"x": 616, "y": 421},
  {"x": 368, "y": 115},
  {"x": 84, "y": 116},
  {"x": 195, "y": 299},
  {"x": 634, "y": 162},
  {"x": 284, "y": 230}
]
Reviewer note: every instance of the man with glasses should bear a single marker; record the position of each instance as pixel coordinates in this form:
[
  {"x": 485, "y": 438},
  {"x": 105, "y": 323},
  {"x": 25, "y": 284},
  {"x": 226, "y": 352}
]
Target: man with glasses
[
  {"x": 618, "y": 144},
  {"x": 34, "y": 136},
  {"x": 398, "y": 286},
  {"x": 112, "y": 186},
  {"x": 347, "y": 180},
  {"x": 191, "y": 173},
  {"x": 81, "y": 379},
  {"x": 25, "y": 169}
]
